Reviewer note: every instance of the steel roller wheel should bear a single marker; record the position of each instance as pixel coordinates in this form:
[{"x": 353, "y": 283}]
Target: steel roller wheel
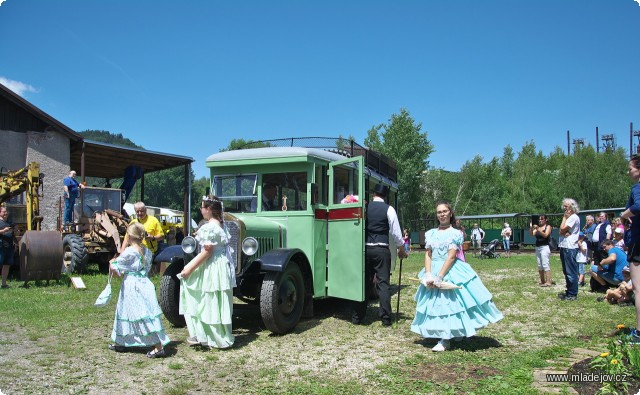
[
  {"x": 74, "y": 259},
  {"x": 282, "y": 298}
]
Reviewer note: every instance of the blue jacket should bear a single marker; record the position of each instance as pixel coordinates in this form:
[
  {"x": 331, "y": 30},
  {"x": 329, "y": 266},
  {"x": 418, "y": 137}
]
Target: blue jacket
[{"x": 633, "y": 204}]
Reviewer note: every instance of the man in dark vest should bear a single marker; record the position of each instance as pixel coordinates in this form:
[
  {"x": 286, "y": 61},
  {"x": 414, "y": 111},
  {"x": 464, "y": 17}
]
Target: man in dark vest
[
  {"x": 381, "y": 224},
  {"x": 601, "y": 233}
]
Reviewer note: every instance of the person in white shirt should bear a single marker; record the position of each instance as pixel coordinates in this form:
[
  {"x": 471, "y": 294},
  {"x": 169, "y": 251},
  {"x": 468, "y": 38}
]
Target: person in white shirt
[
  {"x": 601, "y": 233},
  {"x": 477, "y": 234},
  {"x": 569, "y": 229}
]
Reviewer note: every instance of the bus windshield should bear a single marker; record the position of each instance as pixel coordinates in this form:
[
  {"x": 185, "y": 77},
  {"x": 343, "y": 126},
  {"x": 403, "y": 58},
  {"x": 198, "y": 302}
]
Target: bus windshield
[{"x": 237, "y": 192}]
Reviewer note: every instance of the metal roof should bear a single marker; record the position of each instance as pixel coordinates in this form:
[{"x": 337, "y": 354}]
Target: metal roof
[
  {"x": 487, "y": 216},
  {"x": 109, "y": 161},
  {"x": 274, "y": 152}
]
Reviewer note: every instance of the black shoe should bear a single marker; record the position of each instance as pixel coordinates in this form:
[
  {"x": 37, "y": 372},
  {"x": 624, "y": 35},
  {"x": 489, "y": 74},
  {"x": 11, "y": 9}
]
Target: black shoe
[
  {"x": 582, "y": 284},
  {"x": 116, "y": 348},
  {"x": 567, "y": 297},
  {"x": 386, "y": 323},
  {"x": 600, "y": 299},
  {"x": 156, "y": 354}
]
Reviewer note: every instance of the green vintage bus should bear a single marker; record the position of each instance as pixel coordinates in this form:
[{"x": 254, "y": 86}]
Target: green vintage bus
[{"x": 296, "y": 215}]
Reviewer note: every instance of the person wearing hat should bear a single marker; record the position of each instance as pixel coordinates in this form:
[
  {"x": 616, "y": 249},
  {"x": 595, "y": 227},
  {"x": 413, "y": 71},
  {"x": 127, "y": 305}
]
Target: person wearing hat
[
  {"x": 618, "y": 238},
  {"x": 581, "y": 257},
  {"x": 382, "y": 229}
]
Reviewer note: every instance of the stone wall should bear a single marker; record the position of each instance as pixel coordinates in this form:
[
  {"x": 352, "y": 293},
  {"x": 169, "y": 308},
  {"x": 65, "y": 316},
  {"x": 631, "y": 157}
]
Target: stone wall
[{"x": 51, "y": 150}]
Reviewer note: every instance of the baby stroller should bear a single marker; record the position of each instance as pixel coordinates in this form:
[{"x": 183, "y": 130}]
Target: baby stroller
[{"x": 489, "y": 251}]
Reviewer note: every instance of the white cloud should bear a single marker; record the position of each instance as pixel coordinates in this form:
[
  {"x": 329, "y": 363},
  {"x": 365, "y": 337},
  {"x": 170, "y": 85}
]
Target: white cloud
[
  {"x": 1, "y": 1},
  {"x": 18, "y": 87}
]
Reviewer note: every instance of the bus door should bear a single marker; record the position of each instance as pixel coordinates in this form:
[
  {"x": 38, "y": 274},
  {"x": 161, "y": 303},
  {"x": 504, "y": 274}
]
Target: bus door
[{"x": 345, "y": 233}]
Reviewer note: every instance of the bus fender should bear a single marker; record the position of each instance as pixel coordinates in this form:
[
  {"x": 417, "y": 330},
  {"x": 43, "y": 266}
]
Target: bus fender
[{"x": 277, "y": 260}]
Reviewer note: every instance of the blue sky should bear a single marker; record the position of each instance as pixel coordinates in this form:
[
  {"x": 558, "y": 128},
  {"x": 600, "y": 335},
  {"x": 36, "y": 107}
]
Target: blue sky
[{"x": 186, "y": 77}]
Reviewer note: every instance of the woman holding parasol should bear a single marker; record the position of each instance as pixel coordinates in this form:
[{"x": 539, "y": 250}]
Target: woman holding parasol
[{"x": 442, "y": 311}]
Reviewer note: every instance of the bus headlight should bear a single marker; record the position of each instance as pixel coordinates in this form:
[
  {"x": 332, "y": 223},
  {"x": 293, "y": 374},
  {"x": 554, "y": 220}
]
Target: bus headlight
[
  {"x": 189, "y": 244},
  {"x": 249, "y": 246}
]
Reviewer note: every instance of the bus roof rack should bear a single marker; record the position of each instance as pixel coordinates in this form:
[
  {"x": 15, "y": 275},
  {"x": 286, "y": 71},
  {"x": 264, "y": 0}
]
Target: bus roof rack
[{"x": 346, "y": 147}]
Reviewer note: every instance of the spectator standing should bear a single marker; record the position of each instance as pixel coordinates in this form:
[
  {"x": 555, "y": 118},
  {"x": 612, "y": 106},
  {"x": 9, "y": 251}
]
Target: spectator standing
[
  {"x": 569, "y": 229},
  {"x": 6, "y": 244},
  {"x": 542, "y": 232},
  {"x": 588, "y": 230},
  {"x": 71, "y": 189},
  {"x": 601, "y": 233},
  {"x": 407, "y": 241},
  {"x": 154, "y": 233},
  {"x": 382, "y": 230},
  {"x": 506, "y": 239},
  {"x": 581, "y": 257},
  {"x": 458, "y": 225},
  {"x": 631, "y": 212},
  {"x": 477, "y": 234}
]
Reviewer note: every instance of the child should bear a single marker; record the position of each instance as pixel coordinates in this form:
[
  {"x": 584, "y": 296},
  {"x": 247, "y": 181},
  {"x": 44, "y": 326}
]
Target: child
[
  {"x": 618, "y": 238},
  {"x": 137, "y": 322},
  {"x": 581, "y": 257},
  {"x": 206, "y": 292},
  {"x": 407, "y": 240},
  {"x": 623, "y": 294}
]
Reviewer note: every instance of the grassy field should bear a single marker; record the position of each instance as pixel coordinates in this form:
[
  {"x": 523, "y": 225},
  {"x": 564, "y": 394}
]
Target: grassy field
[{"x": 54, "y": 341}]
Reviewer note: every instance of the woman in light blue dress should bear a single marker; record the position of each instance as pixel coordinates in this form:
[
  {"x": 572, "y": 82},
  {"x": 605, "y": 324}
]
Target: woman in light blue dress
[
  {"x": 137, "y": 322},
  {"x": 443, "y": 311},
  {"x": 206, "y": 289}
]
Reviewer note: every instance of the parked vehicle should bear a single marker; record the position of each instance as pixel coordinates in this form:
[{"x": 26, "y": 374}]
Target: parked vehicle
[{"x": 296, "y": 216}]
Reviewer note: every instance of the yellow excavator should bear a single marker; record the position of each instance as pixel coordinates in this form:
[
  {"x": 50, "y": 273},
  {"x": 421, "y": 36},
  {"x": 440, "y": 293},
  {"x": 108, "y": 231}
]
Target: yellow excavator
[
  {"x": 27, "y": 219},
  {"x": 14, "y": 183}
]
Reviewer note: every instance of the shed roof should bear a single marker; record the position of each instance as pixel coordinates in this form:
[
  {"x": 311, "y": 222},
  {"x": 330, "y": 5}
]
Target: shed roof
[
  {"x": 110, "y": 161},
  {"x": 100, "y": 159}
]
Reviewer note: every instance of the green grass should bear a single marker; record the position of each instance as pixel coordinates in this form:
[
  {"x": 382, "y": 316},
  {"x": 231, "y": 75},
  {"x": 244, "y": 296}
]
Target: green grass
[{"x": 55, "y": 332}]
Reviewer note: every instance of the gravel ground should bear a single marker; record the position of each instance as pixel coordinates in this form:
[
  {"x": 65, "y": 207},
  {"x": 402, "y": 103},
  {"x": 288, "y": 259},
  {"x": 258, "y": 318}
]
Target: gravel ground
[{"x": 325, "y": 347}]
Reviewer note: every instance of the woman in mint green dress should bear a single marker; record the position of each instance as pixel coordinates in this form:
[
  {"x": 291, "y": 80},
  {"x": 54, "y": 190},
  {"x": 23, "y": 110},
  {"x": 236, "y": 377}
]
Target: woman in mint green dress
[
  {"x": 452, "y": 302},
  {"x": 206, "y": 291}
]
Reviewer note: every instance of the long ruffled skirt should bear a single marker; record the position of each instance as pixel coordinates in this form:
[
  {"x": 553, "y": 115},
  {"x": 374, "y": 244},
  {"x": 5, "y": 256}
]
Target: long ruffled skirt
[
  {"x": 445, "y": 314},
  {"x": 137, "y": 321},
  {"x": 206, "y": 301}
]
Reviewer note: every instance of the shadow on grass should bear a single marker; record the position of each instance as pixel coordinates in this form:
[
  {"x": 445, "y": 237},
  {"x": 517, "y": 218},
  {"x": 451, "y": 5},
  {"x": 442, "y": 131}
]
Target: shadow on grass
[{"x": 472, "y": 344}]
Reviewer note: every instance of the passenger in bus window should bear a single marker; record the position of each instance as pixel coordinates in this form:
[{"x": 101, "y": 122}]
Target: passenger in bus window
[{"x": 269, "y": 193}]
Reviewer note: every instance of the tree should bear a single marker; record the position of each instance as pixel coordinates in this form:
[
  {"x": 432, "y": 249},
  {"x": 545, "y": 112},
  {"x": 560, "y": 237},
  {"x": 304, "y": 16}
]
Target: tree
[{"x": 402, "y": 140}]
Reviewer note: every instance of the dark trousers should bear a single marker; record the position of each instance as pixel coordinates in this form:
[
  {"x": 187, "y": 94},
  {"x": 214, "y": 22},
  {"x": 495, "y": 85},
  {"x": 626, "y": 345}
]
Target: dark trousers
[
  {"x": 378, "y": 262},
  {"x": 68, "y": 210}
]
